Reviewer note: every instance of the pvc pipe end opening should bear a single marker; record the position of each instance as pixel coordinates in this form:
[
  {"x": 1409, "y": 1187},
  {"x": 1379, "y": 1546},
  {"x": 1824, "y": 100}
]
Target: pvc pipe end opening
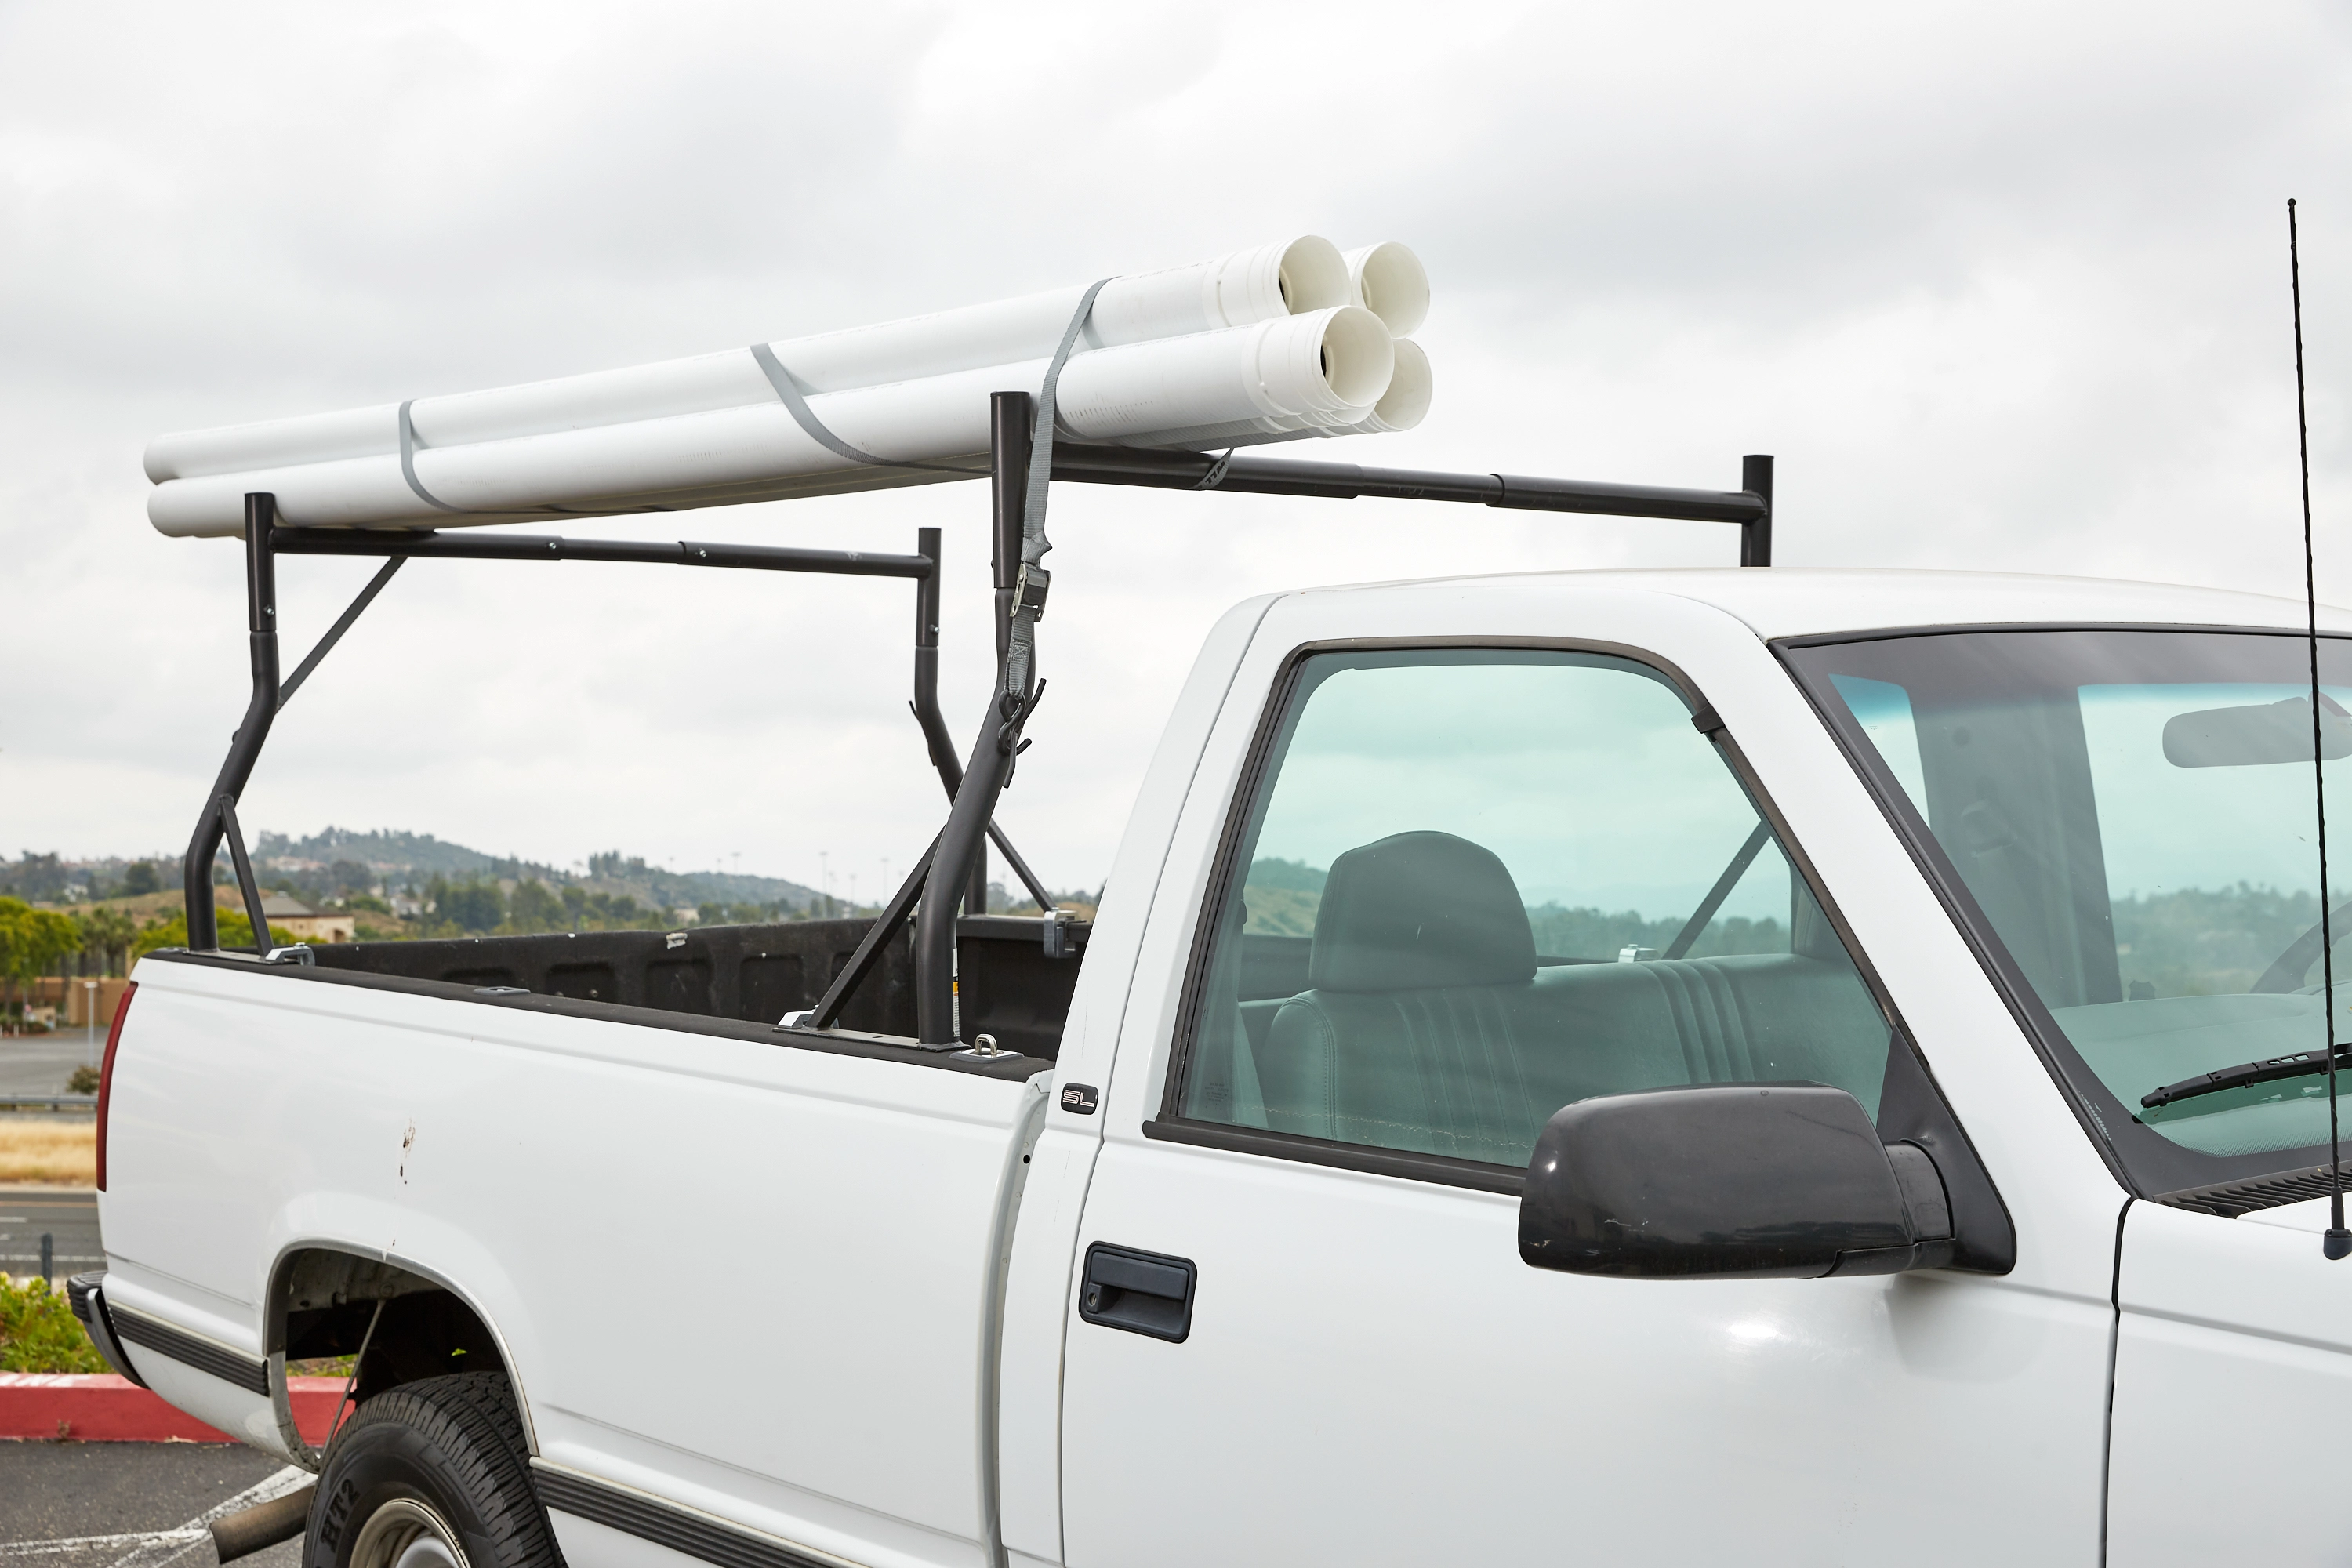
[
  {"x": 1312, "y": 275},
  {"x": 1359, "y": 357},
  {"x": 1389, "y": 280}
]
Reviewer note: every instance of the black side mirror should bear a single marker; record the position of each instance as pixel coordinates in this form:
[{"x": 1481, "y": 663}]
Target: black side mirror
[{"x": 1784, "y": 1181}]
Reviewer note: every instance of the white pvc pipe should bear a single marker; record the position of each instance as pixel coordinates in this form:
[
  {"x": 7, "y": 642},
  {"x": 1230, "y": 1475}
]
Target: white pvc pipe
[
  {"x": 1288, "y": 277},
  {"x": 1403, "y": 406},
  {"x": 1269, "y": 282},
  {"x": 1389, "y": 280},
  {"x": 1305, "y": 372},
  {"x": 1322, "y": 370},
  {"x": 1357, "y": 355}
]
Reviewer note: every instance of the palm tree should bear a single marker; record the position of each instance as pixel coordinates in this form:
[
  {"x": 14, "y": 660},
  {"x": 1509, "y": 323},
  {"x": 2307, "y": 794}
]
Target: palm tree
[{"x": 106, "y": 934}]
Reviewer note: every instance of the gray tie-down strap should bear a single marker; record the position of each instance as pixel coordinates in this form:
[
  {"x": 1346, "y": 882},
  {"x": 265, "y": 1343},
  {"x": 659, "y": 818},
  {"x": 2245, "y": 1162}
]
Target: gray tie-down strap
[
  {"x": 408, "y": 472},
  {"x": 795, "y": 402},
  {"x": 1030, "y": 592},
  {"x": 1029, "y": 589},
  {"x": 788, "y": 393},
  {"x": 408, "y": 461}
]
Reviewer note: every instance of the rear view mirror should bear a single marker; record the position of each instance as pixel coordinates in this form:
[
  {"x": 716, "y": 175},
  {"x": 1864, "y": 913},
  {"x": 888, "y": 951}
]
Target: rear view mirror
[
  {"x": 1730, "y": 1180},
  {"x": 2255, "y": 733}
]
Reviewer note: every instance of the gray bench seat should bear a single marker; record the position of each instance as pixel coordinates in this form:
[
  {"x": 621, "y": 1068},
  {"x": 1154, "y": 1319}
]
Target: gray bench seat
[{"x": 1428, "y": 1024}]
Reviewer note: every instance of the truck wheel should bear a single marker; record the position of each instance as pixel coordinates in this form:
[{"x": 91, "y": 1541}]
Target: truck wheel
[{"x": 431, "y": 1474}]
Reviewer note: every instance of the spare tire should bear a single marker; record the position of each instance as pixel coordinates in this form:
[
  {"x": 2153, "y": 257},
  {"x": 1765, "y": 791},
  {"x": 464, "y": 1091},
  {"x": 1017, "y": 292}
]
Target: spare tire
[{"x": 430, "y": 1474}]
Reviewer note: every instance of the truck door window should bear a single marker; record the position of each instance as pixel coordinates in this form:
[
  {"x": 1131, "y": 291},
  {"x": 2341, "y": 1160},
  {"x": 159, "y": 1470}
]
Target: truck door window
[
  {"x": 1473, "y": 885},
  {"x": 2125, "y": 818}
]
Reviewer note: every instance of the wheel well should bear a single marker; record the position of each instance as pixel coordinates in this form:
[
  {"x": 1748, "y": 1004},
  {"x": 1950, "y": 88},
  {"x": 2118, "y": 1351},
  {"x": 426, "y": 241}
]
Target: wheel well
[{"x": 325, "y": 1301}]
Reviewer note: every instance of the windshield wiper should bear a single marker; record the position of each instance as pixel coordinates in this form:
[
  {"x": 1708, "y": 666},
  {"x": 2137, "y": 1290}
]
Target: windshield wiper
[{"x": 2269, "y": 1070}]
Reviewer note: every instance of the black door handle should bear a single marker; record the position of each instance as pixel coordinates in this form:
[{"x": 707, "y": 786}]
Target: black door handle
[{"x": 1142, "y": 1292}]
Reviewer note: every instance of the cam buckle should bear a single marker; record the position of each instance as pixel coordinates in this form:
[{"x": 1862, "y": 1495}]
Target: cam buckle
[{"x": 1029, "y": 590}]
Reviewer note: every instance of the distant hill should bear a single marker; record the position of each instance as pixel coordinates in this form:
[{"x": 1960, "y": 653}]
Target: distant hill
[
  {"x": 671, "y": 889},
  {"x": 385, "y": 850},
  {"x": 336, "y": 863},
  {"x": 1289, "y": 876},
  {"x": 402, "y": 859}
]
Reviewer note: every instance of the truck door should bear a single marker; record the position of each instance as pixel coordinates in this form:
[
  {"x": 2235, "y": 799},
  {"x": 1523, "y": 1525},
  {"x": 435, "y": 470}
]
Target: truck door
[{"x": 1455, "y": 889}]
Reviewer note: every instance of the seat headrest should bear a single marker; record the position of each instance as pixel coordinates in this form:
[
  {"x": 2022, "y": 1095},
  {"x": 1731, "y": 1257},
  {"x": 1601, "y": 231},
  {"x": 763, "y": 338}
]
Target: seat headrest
[{"x": 1418, "y": 911}]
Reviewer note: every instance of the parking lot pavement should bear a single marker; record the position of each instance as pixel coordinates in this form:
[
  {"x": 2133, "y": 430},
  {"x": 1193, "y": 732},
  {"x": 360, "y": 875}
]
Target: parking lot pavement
[
  {"x": 70, "y": 1217},
  {"x": 131, "y": 1505}
]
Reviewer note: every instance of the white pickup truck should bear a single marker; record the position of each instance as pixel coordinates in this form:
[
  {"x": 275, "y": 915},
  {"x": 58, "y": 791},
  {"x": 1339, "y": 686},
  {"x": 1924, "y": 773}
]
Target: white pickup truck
[{"x": 1690, "y": 1066}]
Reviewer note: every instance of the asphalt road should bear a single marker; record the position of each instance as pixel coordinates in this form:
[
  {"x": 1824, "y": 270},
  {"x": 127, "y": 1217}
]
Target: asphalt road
[
  {"x": 131, "y": 1505},
  {"x": 41, "y": 1064},
  {"x": 69, "y": 1215}
]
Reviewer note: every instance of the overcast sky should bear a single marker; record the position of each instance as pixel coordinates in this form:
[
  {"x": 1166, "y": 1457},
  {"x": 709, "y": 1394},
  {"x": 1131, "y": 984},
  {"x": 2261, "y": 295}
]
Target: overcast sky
[{"x": 2000, "y": 285}]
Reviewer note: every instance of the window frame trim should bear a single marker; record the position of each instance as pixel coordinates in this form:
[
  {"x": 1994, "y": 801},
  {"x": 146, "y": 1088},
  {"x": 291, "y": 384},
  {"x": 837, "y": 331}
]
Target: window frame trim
[{"x": 1169, "y": 1125}]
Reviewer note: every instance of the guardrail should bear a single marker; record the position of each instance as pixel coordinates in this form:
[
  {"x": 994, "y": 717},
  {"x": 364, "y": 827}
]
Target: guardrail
[{"x": 49, "y": 1102}]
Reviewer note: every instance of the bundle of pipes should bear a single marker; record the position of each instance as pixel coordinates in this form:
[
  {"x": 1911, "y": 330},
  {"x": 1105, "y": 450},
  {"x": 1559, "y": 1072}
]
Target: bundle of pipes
[{"x": 1290, "y": 340}]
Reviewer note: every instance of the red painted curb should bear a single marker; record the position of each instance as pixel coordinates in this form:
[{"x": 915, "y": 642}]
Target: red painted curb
[{"x": 103, "y": 1408}]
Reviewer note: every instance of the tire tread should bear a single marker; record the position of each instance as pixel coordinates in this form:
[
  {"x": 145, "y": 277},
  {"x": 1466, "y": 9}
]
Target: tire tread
[{"x": 471, "y": 1418}]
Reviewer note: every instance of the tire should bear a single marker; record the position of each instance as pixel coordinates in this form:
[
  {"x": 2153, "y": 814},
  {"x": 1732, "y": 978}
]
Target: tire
[{"x": 431, "y": 1474}]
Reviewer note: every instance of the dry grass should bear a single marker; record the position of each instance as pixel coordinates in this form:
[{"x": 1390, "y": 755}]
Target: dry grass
[{"x": 61, "y": 1152}]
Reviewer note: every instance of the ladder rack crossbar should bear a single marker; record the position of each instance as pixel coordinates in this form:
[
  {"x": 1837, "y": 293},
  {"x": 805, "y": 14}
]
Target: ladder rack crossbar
[
  {"x": 437, "y": 546},
  {"x": 1350, "y": 481}
]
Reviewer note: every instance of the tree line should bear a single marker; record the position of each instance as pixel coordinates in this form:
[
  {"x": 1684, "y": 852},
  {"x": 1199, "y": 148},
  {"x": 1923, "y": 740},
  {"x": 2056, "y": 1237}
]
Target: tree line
[
  {"x": 46, "y": 878},
  {"x": 480, "y": 907},
  {"x": 35, "y": 942}
]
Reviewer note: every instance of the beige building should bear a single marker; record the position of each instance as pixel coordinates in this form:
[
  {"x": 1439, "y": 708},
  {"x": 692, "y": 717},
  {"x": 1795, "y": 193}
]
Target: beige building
[
  {"x": 297, "y": 918},
  {"x": 73, "y": 1000},
  {"x": 307, "y": 924}
]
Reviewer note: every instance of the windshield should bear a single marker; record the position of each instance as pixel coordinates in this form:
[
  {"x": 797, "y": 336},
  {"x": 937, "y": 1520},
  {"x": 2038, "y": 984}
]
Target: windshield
[{"x": 2128, "y": 817}]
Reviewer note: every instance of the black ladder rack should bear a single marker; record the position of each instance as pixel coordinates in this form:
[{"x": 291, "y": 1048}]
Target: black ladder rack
[{"x": 956, "y": 857}]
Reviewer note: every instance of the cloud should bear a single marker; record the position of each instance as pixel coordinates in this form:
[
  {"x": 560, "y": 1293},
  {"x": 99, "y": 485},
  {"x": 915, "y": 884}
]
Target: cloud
[{"x": 2000, "y": 285}]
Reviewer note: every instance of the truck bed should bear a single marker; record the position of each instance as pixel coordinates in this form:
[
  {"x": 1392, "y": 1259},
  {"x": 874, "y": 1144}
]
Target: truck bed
[
  {"x": 756, "y": 974},
  {"x": 488, "y": 1152}
]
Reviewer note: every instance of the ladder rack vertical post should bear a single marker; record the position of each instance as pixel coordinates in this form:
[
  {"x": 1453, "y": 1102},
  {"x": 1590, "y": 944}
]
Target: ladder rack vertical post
[
  {"x": 963, "y": 841},
  {"x": 245, "y": 747},
  {"x": 1756, "y": 537},
  {"x": 1009, "y": 415},
  {"x": 926, "y": 705}
]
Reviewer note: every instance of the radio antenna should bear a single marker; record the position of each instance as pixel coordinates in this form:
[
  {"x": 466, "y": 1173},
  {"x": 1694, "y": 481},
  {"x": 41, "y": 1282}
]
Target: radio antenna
[{"x": 2337, "y": 1242}]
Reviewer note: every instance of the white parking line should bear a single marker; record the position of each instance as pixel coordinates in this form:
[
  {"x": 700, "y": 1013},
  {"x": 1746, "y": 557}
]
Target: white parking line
[
  {"x": 160, "y": 1548},
  {"x": 63, "y": 1543}
]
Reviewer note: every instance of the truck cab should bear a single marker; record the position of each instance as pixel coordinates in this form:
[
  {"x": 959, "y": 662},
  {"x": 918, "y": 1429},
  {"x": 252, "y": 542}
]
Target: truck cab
[{"x": 1928, "y": 795}]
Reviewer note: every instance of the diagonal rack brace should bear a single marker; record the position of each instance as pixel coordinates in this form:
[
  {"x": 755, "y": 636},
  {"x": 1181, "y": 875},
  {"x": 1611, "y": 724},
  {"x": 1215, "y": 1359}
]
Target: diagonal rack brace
[
  {"x": 941, "y": 746},
  {"x": 326, "y": 645},
  {"x": 249, "y": 885}
]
